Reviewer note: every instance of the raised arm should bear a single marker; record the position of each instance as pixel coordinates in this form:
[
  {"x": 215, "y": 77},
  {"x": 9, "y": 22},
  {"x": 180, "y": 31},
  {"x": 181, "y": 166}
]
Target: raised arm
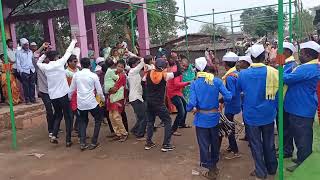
[
  {"x": 138, "y": 68},
  {"x": 68, "y": 53},
  {"x": 40, "y": 60}
]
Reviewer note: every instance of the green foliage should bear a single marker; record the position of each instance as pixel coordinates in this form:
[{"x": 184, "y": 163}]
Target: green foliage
[
  {"x": 209, "y": 29},
  {"x": 306, "y": 27},
  {"x": 110, "y": 25},
  {"x": 259, "y": 22}
]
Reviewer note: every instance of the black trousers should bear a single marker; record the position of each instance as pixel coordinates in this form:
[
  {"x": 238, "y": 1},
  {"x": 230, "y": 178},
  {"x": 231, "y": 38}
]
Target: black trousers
[
  {"x": 62, "y": 109},
  {"x": 49, "y": 110},
  {"x": 29, "y": 84},
  {"x": 83, "y": 117},
  {"x": 139, "y": 107}
]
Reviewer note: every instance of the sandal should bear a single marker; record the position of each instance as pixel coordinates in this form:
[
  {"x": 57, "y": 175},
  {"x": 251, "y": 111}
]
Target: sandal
[{"x": 123, "y": 138}]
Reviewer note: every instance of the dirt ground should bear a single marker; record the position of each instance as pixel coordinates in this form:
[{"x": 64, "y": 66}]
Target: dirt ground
[{"x": 112, "y": 160}]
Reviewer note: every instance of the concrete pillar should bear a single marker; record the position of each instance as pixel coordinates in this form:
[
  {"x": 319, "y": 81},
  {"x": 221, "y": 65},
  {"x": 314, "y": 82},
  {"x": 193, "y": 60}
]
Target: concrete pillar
[
  {"x": 144, "y": 41},
  {"x": 13, "y": 34},
  {"x": 48, "y": 31},
  {"x": 77, "y": 23},
  {"x": 92, "y": 35}
]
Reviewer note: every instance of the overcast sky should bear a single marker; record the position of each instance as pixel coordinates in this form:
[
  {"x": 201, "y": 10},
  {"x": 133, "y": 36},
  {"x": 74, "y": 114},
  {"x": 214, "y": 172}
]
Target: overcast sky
[{"x": 196, "y": 7}]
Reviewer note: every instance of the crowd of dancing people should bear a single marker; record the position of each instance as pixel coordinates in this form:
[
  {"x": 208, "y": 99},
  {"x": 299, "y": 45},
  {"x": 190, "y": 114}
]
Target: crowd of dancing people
[{"x": 155, "y": 85}]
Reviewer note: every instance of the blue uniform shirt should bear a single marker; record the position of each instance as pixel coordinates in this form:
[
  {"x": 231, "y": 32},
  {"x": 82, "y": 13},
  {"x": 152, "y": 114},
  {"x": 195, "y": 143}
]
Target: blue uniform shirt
[
  {"x": 206, "y": 97},
  {"x": 234, "y": 106},
  {"x": 288, "y": 67},
  {"x": 257, "y": 110},
  {"x": 301, "y": 99}
]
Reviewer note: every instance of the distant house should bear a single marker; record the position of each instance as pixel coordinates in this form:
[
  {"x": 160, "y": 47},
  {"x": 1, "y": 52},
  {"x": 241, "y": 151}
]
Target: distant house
[{"x": 197, "y": 44}]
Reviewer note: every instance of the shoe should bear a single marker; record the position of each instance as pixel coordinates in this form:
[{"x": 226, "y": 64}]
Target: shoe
[
  {"x": 115, "y": 138},
  {"x": 292, "y": 168},
  {"x": 233, "y": 156},
  {"x": 93, "y": 146},
  {"x": 141, "y": 138},
  {"x": 295, "y": 161},
  {"x": 176, "y": 133},
  {"x": 54, "y": 140},
  {"x": 185, "y": 126},
  {"x": 149, "y": 146},
  {"x": 253, "y": 174},
  {"x": 166, "y": 148},
  {"x": 211, "y": 174},
  {"x": 50, "y": 135},
  {"x": 69, "y": 144},
  {"x": 123, "y": 138},
  {"x": 83, "y": 147}
]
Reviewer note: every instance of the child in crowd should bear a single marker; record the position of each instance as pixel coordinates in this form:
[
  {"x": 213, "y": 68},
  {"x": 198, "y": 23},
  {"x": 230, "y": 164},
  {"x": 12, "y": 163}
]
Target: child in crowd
[{"x": 110, "y": 79}]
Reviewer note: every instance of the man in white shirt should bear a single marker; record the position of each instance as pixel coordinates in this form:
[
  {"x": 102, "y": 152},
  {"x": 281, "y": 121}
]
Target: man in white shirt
[
  {"x": 86, "y": 83},
  {"x": 26, "y": 70},
  {"x": 11, "y": 54},
  {"x": 58, "y": 89},
  {"x": 135, "y": 97}
]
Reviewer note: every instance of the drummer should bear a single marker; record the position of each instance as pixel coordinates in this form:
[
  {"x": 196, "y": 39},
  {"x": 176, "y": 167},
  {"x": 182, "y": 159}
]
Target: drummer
[{"x": 204, "y": 103}]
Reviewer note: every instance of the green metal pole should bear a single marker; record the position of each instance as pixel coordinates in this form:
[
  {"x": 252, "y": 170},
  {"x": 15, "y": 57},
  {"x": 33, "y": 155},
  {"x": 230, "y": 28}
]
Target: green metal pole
[
  {"x": 280, "y": 100},
  {"x": 132, "y": 27},
  {"x": 186, "y": 27},
  {"x": 214, "y": 34},
  {"x": 290, "y": 21},
  {"x": 297, "y": 23},
  {"x": 3, "y": 39}
]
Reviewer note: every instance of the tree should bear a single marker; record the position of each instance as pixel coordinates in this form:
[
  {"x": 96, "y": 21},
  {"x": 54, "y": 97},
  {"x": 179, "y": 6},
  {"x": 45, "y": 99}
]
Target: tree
[
  {"x": 110, "y": 25},
  {"x": 307, "y": 26},
  {"x": 316, "y": 21},
  {"x": 259, "y": 22},
  {"x": 210, "y": 29}
]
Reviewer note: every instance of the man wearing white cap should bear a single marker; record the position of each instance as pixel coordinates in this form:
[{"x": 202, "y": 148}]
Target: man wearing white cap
[
  {"x": 243, "y": 63},
  {"x": 26, "y": 70},
  {"x": 204, "y": 103},
  {"x": 300, "y": 102},
  {"x": 234, "y": 106},
  {"x": 290, "y": 64},
  {"x": 259, "y": 83}
]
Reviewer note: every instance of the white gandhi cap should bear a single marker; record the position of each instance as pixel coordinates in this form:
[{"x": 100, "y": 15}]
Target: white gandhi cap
[
  {"x": 310, "y": 45},
  {"x": 256, "y": 50},
  {"x": 290, "y": 46},
  {"x": 230, "y": 57},
  {"x": 245, "y": 58},
  {"x": 201, "y": 63}
]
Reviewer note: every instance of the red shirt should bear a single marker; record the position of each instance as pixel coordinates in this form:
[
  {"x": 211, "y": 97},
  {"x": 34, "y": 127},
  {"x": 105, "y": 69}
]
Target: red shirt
[
  {"x": 119, "y": 105},
  {"x": 175, "y": 85}
]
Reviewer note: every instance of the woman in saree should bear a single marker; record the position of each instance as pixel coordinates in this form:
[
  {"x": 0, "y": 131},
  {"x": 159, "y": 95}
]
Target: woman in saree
[{"x": 4, "y": 85}]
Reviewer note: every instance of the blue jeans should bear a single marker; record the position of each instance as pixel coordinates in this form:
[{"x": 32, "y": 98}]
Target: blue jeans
[
  {"x": 261, "y": 140},
  {"x": 158, "y": 109},
  {"x": 232, "y": 139},
  {"x": 180, "y": 104},
  {"x": 301, "y": 129},
  {"x": 208, "y": 140},
  {"x": 139, "y": 108}
]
